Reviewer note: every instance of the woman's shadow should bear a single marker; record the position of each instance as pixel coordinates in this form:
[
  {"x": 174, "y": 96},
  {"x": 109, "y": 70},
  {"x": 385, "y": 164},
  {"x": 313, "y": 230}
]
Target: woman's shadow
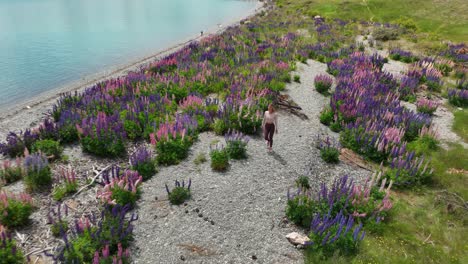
[{"x": 277, "y": 157}]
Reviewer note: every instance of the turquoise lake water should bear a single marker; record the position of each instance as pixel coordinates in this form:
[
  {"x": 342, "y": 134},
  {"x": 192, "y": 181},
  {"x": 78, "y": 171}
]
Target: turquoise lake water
[{"x": 46, "y": 44}]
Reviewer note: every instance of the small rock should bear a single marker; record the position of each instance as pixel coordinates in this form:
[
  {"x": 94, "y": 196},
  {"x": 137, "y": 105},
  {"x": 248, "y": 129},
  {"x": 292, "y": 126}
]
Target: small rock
[
  {"x": 297, "y": 239},
  {"x": 197, "y": 210},
  {"x": 185, "y": 204},
  {"x": 300, "y": 246},
  {"x": 212, "y": 222},
  {"x": 205, "y": 218},
  {"x": 155, "y": 198},
  {"x": 155, "y": 217},
  {"x": 254, "y": 257},
  {"x": 182, "y": 257},
  {"x": 200, "y": 215},
  {"x": 186, "y": 211}
]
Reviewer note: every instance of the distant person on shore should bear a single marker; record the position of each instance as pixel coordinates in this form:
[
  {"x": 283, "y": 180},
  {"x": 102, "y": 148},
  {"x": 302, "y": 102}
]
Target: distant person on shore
[
  {"x": 201, "y": 33},
  {"x": 270, "y": 126}
]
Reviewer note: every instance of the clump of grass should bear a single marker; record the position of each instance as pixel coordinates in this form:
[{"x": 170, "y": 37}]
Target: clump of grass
[
  {"x": 219, "y": 158},
  {"x": 297, "y": 78},
  {"x": 460, "y": 124},
  {"x": 68, "y": 183},
  {"x": 323, "y": 83},
  {"x": 329, "y": 149},
  {"x": 303, "y": 182},
  {"x": 9, "y": 173},
  {"x": 326, "y": 116},
  {"x": 15, "y": 209},
  {"x": 180, "y": 193},
  {"x": 48, "y": 147},
  {"x": 199, "y": 159},
  {"x": 38, "y": 174}
]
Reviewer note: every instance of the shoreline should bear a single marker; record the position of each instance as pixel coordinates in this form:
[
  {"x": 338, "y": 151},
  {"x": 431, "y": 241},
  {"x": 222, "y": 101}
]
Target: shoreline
[{"x": 30, "y": 111}]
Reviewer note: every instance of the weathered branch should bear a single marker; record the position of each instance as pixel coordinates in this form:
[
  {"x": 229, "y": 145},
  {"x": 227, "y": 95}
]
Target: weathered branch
[{"x": 92, "y": 181}]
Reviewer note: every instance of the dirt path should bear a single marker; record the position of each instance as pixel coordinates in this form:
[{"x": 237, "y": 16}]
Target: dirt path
[{"x": 238, "y": 216}]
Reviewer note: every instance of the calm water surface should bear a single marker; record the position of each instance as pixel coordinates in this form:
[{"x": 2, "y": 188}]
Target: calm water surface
[{"x": 45, "y": 44}]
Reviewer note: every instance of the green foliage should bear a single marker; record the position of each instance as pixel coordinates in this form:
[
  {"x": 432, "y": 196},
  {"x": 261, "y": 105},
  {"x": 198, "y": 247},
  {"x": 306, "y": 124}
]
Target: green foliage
[
  {"x": 323, "y": 88},
  {"x": 132, "y": 129},
  {"x": 146, "y": 169},
  {"x": 220, "y": 127},
  {"x": 404, "y": 179},
  {"x": 277, "y": 86},
  {"x": 303, "y": 182},
  {"x": 434, "y": 86},
  {"x": 385, "y": 34},
  {"x": 68, "y": 133},
  {"x": 219, "y": 159},
  {"x": 171, "y": 152},
  {"x": 11, "y": 174},
  {"x": 60, "y": 191},
  {"x": 38, "y": 180},
  {"x": 297, "y": 78},
  {"x": 330, "y": 154},
  {"x": 124, "y": 196},
  {"x": 444, "y": 68},
  {"x": 407, "y": 23},
  {"x": 424, "y": 145},
  {"x": 179, "y": 195},
  {"x": 82, "y": 247},
  {"x": 50, "y": 148},
  {"x": 10, "y": 253},
  {"x": 460, "y": 124},
  {"x": 335, "y": 127},
  {"x": 102, "y": 147},
  {"x": 236, "y": 149},
  {"x": 326, "y": 116},
  {"x": 59, "y": 227},
  {"x": 16, "y": 213},
  {"x": 344, "y": 245},
  {"x": 199, "y": 159},
  {"x": 300, "y": 210}
]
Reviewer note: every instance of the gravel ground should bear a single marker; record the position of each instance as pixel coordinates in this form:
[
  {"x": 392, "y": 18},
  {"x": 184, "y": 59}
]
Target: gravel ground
[{"x": 238, "y": 216}]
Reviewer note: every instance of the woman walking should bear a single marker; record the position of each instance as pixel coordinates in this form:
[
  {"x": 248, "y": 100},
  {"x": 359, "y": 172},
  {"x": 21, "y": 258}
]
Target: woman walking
[{"x": 270, "y": 125}]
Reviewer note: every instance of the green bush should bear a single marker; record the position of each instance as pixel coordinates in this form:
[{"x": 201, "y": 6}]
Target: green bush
[
  {"x": 103, "y": 147},
  {"x": 125, "y": 197},
  {"x": 236, "y": 149},
  {"x": 326, "y": 116},
  {"x": 68, "y": 133},
  {"x": 132, "y": 129},
  {"x": 344, "y": 245},
  {"x": 300, "y": 210},
  {"x": 424, "y": 145},
  {"x": 15, "y": 211},
  {"x": 38, "y": 175},
  {"x": 179, "y": 195},
  {"x": 61, "y": 191},
  {"x": 297, "y": 78},
  {"x": 11, "y": 174},
  {"x": 303, "y": 182},
  {"x": 384, "y": 34},
  {"x": 50, "y": 148},
  {"x": 59, "y": 227},
  {"x": 220, "y": 127},
  {"x": 171, "y": 152},
  {"x": 146, "y": 169},
  {"x": 330, "y": 154},
  {"x": 323, "y": 87},
  {"x": 219, "y": 159},
  {"x": 9, "y": 251},
  {"x": 201, "y": 158},
  {"x": 335, "y": 127}
]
